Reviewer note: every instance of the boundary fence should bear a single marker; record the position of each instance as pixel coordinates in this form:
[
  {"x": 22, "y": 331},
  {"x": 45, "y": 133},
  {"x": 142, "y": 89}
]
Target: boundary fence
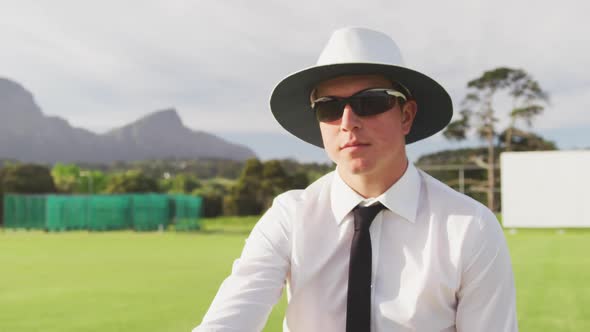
[{"x": 140, "y": 212}]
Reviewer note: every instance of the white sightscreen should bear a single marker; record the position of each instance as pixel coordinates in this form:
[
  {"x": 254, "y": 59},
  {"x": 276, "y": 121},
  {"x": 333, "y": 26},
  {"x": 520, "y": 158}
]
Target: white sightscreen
[{"x": 546, "y": 189}]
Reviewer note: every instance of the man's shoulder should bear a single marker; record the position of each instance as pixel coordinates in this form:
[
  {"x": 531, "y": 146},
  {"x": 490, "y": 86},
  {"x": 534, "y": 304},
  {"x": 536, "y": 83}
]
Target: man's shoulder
[{"x": 459, "y": 211}]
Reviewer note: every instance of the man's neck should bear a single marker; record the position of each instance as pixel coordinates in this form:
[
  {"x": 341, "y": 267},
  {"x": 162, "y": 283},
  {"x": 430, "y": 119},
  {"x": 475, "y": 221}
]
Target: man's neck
[{"x": 375, "y": 183}]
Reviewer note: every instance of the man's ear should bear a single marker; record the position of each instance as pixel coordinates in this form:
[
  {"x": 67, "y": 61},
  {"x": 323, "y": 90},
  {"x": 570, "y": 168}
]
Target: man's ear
[{"x": 409, "y": 111}]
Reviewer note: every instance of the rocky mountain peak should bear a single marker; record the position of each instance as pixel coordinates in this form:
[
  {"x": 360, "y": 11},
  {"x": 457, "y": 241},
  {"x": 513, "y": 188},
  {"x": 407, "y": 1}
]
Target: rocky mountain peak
[
  {"x": 17, "y": 100},
  {"x": 166, "y": 118}
]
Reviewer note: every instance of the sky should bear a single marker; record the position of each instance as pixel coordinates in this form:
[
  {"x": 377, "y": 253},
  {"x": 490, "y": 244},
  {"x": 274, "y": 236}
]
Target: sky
[{"x": 103, "y": 64}]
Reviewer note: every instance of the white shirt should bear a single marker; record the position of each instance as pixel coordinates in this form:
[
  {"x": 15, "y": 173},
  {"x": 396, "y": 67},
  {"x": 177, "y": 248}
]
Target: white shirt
[{"x": 440, "y": 262}]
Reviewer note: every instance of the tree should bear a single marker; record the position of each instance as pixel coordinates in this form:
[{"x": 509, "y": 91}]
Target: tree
[
  {"x": 91, "y": 181},
  {"x": 478, "y": 112},
  {"x": 520, "y": 140},
  {"x": 27, "y": 179},
  {"x": 180, "y": 184},
  {"x": 245, "y": 196},
  {"x": 299, "y": 180},
  {"x": 212, "y": 192},
  {"x": 131, "y": 182},
  {"x": 70, "y": 178},
  {"x": 274, "y": 181},
  {"x": 66, "y": 177}
]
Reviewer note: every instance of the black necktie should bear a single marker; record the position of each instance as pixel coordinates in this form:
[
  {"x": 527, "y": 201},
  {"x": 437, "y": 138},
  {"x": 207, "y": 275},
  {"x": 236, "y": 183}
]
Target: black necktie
[{"x": 358, "y": 306}]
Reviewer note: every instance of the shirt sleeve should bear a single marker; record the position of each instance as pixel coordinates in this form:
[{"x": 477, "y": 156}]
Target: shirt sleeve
[
  {"x": 487, "y": 295},
  {"x": 245, "y": 299}
]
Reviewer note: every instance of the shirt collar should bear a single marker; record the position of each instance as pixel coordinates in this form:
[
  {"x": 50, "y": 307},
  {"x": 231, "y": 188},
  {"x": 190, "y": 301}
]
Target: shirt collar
[{"x": 401, "y": 198}]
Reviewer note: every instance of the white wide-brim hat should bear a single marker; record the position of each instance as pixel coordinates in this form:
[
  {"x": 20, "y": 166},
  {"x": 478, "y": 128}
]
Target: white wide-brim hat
[{"x": 359, "y": 51}]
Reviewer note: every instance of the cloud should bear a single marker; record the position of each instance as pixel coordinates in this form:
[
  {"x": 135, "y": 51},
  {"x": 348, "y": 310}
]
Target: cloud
[{"x": 109, "y": 62}]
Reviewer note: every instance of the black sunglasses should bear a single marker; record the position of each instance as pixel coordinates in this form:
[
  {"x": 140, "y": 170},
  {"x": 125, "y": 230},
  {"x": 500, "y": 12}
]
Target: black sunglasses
[{"x": 363, "y": 103}]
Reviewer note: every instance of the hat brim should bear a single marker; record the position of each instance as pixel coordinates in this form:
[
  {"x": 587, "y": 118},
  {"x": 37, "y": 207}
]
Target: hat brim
[{"x": 290, "y": 102}]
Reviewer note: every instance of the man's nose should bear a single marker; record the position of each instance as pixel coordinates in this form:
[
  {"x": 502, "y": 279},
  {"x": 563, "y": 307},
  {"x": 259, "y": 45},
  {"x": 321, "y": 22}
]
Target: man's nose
[{"x": 350, "y": 120}]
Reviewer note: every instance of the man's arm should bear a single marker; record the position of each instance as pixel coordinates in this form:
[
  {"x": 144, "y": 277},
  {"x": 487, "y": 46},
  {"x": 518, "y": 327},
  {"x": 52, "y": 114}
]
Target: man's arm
[
  {"x": 487, "y": 297},
  {"x": 247, "y": 296}
]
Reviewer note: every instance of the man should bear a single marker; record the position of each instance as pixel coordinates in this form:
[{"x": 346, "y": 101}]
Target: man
[{"x": 376, "y": 245}]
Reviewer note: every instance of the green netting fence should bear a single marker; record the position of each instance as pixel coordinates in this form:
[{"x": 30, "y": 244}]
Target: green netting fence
[
  {"x": 141, "y": 212},
  {"x": 184, "y": 207},
  {"x": 26, "y": 213}
]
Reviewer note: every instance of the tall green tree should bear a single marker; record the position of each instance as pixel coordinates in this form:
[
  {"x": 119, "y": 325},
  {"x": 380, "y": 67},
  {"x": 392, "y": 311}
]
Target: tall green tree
[{"x": 479, "y": 112}]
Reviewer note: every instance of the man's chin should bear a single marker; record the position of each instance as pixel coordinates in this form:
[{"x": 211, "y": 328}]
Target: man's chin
[{"x": 358, "y": 167}]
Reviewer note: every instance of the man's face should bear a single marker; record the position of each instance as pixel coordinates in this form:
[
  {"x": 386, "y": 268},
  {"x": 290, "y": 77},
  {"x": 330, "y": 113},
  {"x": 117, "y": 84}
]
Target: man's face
[{"x": 368, "y": 145}]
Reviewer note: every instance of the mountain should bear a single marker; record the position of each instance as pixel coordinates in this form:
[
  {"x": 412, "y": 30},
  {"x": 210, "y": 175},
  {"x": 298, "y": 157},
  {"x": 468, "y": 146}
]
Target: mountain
[
  {"x": 26, "y": 134},
  {"x": 162, "y": 135}
]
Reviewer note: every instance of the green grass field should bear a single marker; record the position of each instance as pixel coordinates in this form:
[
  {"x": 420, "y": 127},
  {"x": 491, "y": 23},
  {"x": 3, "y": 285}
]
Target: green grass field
[{"x": 126, "y": 281}]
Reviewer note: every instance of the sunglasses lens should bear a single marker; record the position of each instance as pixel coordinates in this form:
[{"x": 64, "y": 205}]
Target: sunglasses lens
[
  {"x": 329, "y": 111},
  {"x": 371, "y": 105}
]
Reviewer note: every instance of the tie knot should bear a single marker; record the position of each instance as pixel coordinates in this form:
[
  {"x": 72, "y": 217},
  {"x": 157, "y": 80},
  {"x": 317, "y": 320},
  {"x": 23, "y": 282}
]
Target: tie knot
[{"x": 364, "y": 215}]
